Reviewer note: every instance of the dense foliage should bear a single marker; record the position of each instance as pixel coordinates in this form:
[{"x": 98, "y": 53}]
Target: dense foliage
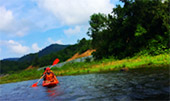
[
  {"x": 12, "y": 66},
  {"x": 139, "y": 27}
]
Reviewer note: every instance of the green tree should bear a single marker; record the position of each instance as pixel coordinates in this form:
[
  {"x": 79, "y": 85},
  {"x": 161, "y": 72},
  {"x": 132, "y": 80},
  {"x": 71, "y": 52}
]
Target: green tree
[{"x": 140, "y": 25}]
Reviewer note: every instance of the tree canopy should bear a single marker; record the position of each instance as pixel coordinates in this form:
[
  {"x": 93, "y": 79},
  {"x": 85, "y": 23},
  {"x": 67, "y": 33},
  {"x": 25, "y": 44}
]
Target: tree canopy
[{"x": 140, "y": 26}]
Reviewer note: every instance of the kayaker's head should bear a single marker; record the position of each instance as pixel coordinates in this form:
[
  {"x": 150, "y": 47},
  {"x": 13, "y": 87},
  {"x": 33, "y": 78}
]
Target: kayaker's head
[
  {"x": 44, "y": 69},
  {"x": 48, "y": 69}
]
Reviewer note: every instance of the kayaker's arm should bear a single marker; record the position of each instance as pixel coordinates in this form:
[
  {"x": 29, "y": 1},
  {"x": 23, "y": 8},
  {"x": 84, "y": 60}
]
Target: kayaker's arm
[{"x": 55, "y": 77}]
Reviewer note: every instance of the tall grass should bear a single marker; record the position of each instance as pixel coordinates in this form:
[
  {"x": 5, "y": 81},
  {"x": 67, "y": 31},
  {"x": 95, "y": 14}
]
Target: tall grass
[
  {"x": 106, "y": 65},
  {"x": 21, "y": 76}
]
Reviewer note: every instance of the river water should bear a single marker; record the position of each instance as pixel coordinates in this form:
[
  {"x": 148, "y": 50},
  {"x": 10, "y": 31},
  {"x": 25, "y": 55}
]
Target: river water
[{"x": 139, "y": 84}]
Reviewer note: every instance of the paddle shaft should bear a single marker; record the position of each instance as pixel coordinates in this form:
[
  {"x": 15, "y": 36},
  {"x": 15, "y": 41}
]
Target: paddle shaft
[{"x": 41, "y": 78}]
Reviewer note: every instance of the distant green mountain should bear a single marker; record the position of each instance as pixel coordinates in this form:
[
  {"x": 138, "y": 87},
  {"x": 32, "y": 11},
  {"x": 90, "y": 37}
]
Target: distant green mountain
[
  {"x": 11, "y": 59},
  {"x": 28, "y": 57},
  {"x": 46, "y": 56},
  {"x": 48, "y": 50},
  {"x": 64, "y": 54},
  {"x": 16, "y": 64}
]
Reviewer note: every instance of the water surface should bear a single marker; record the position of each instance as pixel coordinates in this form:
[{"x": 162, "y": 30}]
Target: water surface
[{"x": 139, "y": 84}]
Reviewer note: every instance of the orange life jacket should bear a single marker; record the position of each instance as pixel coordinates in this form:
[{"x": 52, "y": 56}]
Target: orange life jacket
[{"x": 49, "y": 76}]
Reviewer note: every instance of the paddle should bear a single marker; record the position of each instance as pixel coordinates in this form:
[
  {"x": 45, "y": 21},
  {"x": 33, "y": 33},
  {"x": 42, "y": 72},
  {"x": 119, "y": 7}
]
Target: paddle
[{"x": 54, "y": 63}]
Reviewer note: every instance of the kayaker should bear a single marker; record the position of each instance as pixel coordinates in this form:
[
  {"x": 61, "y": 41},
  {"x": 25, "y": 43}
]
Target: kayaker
[{"x": 49, "y": 75}]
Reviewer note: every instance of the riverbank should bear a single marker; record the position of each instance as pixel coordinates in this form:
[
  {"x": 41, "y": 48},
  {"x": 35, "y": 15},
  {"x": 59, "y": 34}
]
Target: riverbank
[{"x": 104, "y": 65}]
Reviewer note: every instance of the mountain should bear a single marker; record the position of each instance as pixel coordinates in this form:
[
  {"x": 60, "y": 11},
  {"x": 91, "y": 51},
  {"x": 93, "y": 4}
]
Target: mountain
[
  {"x": 11, "y": 59},
  {"x": 46, "y": 56},
  {"x": 48, "y": 50},
  {"x": 28, "y": 57}
]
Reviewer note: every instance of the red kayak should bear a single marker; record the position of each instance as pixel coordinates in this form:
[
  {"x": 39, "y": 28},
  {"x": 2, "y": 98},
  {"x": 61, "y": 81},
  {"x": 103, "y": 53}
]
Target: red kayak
[{"x": 50, "y": 84}]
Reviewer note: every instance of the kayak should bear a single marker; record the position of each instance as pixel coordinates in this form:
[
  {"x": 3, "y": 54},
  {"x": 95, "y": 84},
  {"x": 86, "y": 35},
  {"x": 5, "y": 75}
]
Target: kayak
[{"x": 50, "y": 84}]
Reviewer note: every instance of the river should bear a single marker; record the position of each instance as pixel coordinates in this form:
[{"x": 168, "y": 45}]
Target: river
[{"x": 139, "y": 84}]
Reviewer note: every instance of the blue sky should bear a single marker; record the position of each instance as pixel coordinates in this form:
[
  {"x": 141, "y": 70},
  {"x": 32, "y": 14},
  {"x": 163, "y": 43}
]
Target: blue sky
[{"x": 27, "y": 26}]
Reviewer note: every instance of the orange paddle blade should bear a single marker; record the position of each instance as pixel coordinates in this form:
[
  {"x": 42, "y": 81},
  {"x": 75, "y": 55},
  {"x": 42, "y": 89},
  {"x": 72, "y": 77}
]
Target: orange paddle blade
[
  {"x": 35, "y": 84},
  {"x": 56, "y": 61}
]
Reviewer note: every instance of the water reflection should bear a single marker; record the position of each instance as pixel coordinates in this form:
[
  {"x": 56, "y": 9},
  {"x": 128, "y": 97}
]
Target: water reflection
[{"x": 53, "y": 91}]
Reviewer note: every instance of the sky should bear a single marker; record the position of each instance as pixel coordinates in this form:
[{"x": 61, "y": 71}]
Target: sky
[{"x": 27, "y": 26}]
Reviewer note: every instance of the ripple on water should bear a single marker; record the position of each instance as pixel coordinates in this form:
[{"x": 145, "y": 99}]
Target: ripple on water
[{"x": 125, "y": 86}]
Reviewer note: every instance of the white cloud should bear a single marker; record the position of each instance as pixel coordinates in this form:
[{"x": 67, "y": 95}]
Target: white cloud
[
  {"x": 11, "y": 26},
  {"x": 22, "y": 32},
  {"x": 73, "y": 31},
  {"x": 35, "y": 47},
  {"x": 6, "y": 18},
  {"x": 51, "y": 41},
  {"x": 19, "y": 20},
  {"x": 15, "y": 47},
  {"x": 59, "y": 42},
  {"x": 71, "y": 12}
]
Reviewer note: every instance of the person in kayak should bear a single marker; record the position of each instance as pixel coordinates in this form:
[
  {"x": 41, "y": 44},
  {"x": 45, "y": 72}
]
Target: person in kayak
[{"x": 49, "y": 75}]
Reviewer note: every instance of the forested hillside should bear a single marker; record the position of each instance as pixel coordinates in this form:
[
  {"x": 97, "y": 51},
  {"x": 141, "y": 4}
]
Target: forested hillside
[
  {"x": 80, "y": 47},
  {"x": 139, "y": 27},
  {"x": 46, "y": 56},
  {"x": 11, "y": 59},
  {"x": 48, "y": 50}
]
